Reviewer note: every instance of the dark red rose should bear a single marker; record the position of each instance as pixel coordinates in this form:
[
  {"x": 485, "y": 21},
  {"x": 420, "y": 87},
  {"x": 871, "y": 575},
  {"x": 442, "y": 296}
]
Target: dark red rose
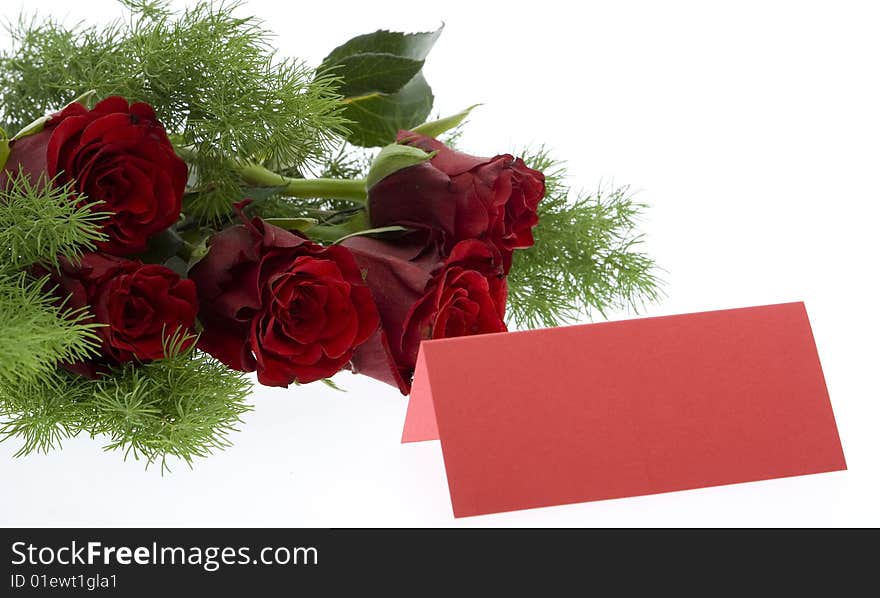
[
  {"x": 458, "y": 197},
  {"x": 116, "y": 154},
  {"x": 419, "y": 299},
  {"x": 274, "y": 302},
  {"x": 140, "y": 305}
]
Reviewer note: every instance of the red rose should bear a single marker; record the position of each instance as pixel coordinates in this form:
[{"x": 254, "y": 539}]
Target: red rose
[
  {"x": 116, "y": 154},
  {"x": 458, "y": 197},
  {"x": 140, "y": 305},
  {"x": 419, "y": 299},
  {"x": 274, "y": 302}
]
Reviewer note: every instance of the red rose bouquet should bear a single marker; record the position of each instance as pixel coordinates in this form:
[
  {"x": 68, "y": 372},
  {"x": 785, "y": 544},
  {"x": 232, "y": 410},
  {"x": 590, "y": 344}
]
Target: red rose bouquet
[{"x": 176, "y": 229}]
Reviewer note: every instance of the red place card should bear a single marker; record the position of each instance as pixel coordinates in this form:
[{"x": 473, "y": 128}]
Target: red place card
[{"x": 597, "y": 411}]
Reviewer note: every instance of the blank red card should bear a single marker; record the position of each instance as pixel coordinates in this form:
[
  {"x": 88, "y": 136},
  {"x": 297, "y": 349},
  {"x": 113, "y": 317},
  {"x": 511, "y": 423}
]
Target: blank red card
[{"x": 597, "y": 411}]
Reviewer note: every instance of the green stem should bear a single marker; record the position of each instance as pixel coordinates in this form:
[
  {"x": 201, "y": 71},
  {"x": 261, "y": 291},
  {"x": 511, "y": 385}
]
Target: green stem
[
  {"x": 350, "y": 189},
  {"x": 254, "y": 174}
]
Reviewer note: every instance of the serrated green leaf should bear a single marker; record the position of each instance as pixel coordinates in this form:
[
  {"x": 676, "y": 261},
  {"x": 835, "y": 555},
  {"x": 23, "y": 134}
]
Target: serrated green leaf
[
  {"x": 374, "y": 72},
  {"x": 395, "y": 157},
  {"x": 408, "y": 45},
  {"x": 376, "y": 118},
  {"x": 382, "y": 82}
]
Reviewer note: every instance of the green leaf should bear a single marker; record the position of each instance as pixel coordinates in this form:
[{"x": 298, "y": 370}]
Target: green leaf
[
  {"x": 395, "y": 157},
  {"x": 382, "y": 83},
  {"x": 376, "y": 118},
  {"x": 437, "y": 127},
  {"x": 408, "y": 45},
  {"x": 374, "y": 72}
]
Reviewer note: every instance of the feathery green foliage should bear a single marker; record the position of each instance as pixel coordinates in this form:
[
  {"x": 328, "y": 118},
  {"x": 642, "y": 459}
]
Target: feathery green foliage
[
  {"x": 212, "y": 77},
  {"x": 40, "y": 222},
  {"x": 36, "y": 333},
  {"x": 183, "y": 406},
  {"x": 42, "y": 411},
  {"x": 585, "y": 256}
]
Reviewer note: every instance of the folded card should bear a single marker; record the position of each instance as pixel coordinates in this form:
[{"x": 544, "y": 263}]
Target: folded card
[{"x": 597, "y": 411}]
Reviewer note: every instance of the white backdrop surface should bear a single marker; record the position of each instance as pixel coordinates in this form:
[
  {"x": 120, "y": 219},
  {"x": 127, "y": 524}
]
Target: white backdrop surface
[{"x": 751, "y": 129}]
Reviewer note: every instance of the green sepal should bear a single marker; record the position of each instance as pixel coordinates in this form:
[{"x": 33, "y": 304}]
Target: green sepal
[
  {"x": 199, "y": 250},
  {"x": 353, "y": 227},
  {"x": 333, "y": 385},
  {"x": 4, "y": 148},
  {"x": 38, "y": 125},
  {"x": 437, "y": 127},
  {"x": 372, "y": 231},
  {"x": 32, "y": 129},
  {"x": 395, "y": 157}
]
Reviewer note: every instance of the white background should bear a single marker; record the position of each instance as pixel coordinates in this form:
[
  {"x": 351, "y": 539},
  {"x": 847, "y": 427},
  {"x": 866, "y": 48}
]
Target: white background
[{"x": 752, "y": 130}]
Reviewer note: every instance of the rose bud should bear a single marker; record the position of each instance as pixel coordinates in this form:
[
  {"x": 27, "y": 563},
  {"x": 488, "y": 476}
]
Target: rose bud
[
  {"x": 275, "y": 302},
  {"x": 458, "y": 197},
  {"x": 464, "y": 295},
  {"x": 116, "y": 154},
  {"x": 140, "y": 306}
]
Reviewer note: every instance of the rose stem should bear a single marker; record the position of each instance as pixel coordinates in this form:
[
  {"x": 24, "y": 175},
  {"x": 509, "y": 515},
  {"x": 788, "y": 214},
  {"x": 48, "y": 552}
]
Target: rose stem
[
  {"x": 254, "y": 174},
  {"x": 350, "y": 189}
]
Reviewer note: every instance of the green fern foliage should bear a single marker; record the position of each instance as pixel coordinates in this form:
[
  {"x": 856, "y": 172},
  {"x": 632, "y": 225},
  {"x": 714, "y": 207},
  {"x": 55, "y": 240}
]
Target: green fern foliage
[
  {"x": 40, "y": 222},
  {"x": 211, "y": 75},
  {"x": 586, "y": 257},
  {"x": 37, "y": 332},
  {"x": 181, "y": 407}
]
